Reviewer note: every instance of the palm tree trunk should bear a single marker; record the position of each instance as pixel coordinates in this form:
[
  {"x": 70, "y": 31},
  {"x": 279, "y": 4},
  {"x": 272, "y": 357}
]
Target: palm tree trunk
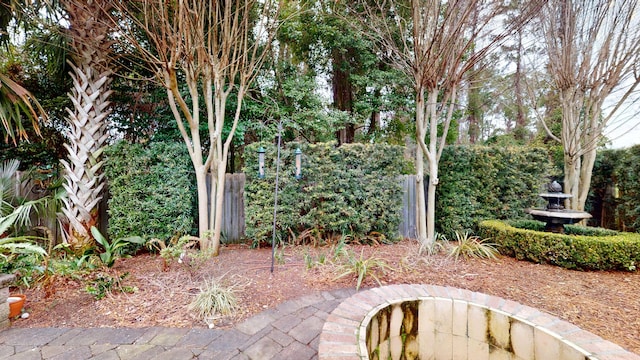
[{"x": 87, "y": 120}]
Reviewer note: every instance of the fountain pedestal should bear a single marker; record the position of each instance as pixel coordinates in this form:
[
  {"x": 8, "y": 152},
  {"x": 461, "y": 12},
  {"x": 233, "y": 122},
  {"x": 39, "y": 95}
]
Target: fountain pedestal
[{"x": 555, "y": 215}]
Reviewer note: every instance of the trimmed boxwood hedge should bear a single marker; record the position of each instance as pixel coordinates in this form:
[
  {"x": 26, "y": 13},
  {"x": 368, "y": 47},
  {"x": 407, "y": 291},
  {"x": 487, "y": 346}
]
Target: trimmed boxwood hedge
[
  {"x": 569, "y": 229},
  {"x": 617, "y": 251}
]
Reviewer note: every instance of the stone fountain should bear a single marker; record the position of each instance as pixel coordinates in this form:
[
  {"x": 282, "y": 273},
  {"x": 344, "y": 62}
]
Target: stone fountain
[{"x": 555, "y": 215}]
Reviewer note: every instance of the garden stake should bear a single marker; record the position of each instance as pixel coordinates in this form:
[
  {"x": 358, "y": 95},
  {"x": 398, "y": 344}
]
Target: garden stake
[{"x": 275, "y": 198}]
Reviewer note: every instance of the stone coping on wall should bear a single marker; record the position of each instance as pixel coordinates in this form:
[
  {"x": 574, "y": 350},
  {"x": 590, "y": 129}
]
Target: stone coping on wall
[{"x": 344, "y": 332}]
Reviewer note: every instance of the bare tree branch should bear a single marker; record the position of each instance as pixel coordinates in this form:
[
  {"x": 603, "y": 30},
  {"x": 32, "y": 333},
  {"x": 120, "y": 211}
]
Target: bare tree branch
[
  {"x": 217, "y": 47},
  {"x": 593, "y": 48},
  {"x": 435, "y": 43}
]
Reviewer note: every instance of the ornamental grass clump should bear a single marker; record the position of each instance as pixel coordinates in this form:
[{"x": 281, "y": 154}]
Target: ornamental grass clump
[
  {"x": 214, "y": 300},
  {"x": 471, "y": 246},
  {"x": 362, "y": 267}
]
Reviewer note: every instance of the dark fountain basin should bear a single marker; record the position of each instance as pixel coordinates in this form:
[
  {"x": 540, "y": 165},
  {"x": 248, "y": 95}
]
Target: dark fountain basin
[{"x": 555, "y": 215}]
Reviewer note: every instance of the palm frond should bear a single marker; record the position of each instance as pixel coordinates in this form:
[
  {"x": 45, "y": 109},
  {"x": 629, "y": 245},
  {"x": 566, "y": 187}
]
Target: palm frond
[
  {"x": 6, "y": 222},
  {"x": 8, "y": 170},
  {"x": 20, "y": 245},
  {"x": 17, "y": 102}
]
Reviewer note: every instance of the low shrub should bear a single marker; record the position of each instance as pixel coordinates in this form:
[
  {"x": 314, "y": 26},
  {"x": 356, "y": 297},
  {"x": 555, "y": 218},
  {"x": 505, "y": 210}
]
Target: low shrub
[
  {"x": 569, "y": 229},
  {"x": 585, "y": 249}
]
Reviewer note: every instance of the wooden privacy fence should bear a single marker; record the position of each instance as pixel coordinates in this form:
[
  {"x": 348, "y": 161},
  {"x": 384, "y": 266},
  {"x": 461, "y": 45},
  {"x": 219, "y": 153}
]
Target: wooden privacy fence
[
  {"x": 233, "y": 222},
  {"x": 233, "y": 219},
  {"x": 408, "y": 217},
  {"x": 233, "y": 216}
]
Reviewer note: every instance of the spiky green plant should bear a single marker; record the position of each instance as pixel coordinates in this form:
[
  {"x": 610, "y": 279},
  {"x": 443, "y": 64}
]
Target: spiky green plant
[
  {"x": 17, "y": 207},
  {"x": 434, "y": 247},
  {"x": 340, "y": 249},
  {"x": 14, "y": 215},
  {"x": 362, "y": 267},
  {"x": 17, "y": 103},
  {"x": 471, "y": 246}
]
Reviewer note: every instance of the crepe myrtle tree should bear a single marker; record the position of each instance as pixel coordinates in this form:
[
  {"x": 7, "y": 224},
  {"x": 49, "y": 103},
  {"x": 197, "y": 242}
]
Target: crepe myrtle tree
[
  {"x": 201, "y": 51},
  {"x": 593, "y": 50},
  {"x": 435, "y": 43}
]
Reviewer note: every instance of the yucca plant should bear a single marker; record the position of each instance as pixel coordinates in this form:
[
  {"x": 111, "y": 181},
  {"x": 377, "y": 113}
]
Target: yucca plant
[{"x": 471, "y": 246}]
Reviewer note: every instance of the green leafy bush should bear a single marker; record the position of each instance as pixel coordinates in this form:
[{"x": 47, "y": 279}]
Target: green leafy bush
[
  {"x": 152, "y": 190},
  {"x": 352, "y": 189},
  {"x": 619, "y": 169},
  {"x": 479, "y": 183},
  {"x": 112, "y": 251},
  {"x": 619, "y": 251}
]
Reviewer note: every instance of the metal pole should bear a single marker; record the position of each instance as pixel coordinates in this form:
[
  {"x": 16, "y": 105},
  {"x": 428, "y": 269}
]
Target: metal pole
[{"x": 275, "y": 198}]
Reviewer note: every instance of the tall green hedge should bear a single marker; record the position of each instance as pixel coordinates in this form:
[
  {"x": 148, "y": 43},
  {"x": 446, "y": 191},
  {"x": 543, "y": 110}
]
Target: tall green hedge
[
  {"x": 352, "y": 190},
  {"x": 479, "y": 183},
  {"x": 628, "y": 180},
  {"x": 619, "y": 168},
  {"x": 152, "y": 190}
]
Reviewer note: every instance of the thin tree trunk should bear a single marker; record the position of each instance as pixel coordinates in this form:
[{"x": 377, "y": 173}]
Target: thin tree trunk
[
  {"x": 217, "y": 225},
  {"x": 374, "y": 119},
  {"x": 203, "y": 211},
  {"x": 474, "y": 108},
  {"x": 420, "y": 195},
  {"x": 432, "y": 157},
  {"x": 586, "y": 170},
  {"x": 521, "y": 119},
  {"x": 431, "y": 201}
]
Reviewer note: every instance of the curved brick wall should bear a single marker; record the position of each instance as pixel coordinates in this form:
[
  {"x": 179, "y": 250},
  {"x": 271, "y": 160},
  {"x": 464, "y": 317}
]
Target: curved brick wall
[{"x": 432, "y": 322}]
